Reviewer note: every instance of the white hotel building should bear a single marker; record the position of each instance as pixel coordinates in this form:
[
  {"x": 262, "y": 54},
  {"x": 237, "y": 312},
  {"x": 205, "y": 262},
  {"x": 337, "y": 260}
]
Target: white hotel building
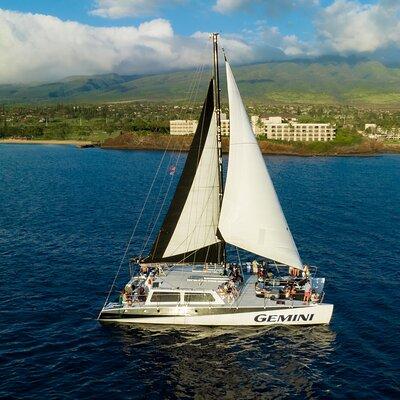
[
  {"x": 272, "y": 128},
  {"x": 182, "y": 127},
  {"x": 276, "y": 128},
  {"x": 189, "y": 126}
]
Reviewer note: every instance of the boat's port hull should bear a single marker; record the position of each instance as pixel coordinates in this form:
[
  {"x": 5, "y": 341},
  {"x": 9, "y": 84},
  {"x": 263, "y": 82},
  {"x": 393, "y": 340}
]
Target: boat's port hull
[{"x": 307, "y": 315}]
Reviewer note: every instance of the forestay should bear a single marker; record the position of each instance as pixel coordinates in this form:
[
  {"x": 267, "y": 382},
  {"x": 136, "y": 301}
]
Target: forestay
[{"x": 251, "y": 215}]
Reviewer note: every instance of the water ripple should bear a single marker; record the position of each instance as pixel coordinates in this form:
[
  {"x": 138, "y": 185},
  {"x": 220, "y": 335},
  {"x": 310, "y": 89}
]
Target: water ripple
[{"x": 65, "y": 217}]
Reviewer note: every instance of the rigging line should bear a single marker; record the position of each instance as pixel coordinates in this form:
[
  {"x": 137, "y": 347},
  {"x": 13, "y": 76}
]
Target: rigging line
[
  {"x": 166, "y": 195},
  {"x": 191, "y": 98},
  {"x": 160, "y": 210},
  {"x": 197, "y": 194},
  {"x": 238, "y": 255},
  {"x": 132, "y": 235},
  {"x": 241, "y": 271},
  {"x": 194, "y": 253},
  {"x": 194, "y": 99},
  {"x": 192, "y": 102},
  {"x": 148, "y": 230},
  {"x": 139, "y": 218},
  {"x": 184, "y": 258},
  {"x": 151, "y": 223},
  {"x": 202, "y": 125}
]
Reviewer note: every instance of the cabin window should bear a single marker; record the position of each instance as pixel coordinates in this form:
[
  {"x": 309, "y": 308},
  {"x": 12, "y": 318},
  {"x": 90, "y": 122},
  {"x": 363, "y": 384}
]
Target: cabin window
[
  {"x": 198, "y": 297},
  {"x": 165, "y": 297}
]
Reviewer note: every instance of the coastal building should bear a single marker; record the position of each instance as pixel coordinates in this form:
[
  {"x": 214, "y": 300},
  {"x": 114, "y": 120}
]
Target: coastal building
[
  {"x": 373, "y": 131},
  {"x": 182, "y": 127},
  {"x": 272, "y": 128},
  {"x": 189, "y": 126},
  {"x": 225, "y": 126},
  {"x": 279, "y": 128}
]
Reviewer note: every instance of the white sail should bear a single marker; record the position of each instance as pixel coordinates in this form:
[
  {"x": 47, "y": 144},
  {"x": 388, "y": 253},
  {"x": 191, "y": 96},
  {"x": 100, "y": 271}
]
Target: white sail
[
  {"x": 198, "y": 221},
  {"x": 251, "y": 215}
]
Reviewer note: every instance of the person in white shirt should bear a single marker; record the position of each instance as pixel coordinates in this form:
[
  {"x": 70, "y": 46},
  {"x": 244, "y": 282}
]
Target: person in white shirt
[{"x": 307, "y": 291}]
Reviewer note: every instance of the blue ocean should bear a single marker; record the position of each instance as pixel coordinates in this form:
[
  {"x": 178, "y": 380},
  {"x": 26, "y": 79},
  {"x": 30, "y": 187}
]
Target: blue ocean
[{"x": 66, "y": 215}]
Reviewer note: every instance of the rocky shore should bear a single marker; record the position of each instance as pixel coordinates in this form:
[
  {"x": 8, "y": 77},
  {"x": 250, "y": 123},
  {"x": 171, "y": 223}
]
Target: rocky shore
[{"x": 132, "y": 141}]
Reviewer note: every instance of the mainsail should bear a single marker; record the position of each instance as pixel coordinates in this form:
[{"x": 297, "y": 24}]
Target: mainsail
[
  {"x": 189, "y": 230},
  {"x": 251, "y": 215}
]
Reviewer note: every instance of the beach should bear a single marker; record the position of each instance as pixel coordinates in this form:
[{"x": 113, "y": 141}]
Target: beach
[{"x": 39, "y": 141}]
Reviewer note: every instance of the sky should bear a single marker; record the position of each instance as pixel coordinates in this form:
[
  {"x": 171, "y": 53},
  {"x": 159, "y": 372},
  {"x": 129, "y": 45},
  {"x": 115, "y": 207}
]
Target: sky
[{"x": 48, "y": 40}]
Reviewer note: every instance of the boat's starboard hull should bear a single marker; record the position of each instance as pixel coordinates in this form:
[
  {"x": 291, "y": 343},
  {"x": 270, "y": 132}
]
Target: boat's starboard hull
[{"x": 308, "y": 315}]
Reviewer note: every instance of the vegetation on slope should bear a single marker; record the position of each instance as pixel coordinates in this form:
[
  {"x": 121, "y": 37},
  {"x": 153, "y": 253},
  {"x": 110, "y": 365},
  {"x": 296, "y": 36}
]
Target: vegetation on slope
[
  {"x": 146, "y": 125},
  {"x": 333, "y": 81}
]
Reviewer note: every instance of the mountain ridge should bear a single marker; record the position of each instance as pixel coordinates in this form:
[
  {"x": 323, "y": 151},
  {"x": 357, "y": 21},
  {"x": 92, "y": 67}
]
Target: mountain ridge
[{"x": 327, "y": 80}]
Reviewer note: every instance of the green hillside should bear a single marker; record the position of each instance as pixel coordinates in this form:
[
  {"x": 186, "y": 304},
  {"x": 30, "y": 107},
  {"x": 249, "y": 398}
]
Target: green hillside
[{"x": 363, "y": 82}]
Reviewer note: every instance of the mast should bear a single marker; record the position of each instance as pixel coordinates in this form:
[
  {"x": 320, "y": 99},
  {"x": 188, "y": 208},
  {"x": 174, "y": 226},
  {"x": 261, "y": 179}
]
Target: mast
[{"x": 217, "y": 102}]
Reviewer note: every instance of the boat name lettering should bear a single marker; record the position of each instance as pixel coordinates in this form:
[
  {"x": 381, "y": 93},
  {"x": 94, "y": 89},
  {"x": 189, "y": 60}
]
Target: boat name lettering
[{"x": 283, "y": 318}]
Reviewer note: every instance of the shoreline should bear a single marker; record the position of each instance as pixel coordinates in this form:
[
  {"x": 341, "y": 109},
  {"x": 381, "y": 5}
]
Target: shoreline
[
  {"x": 183, "y": 143},
  {"x": 130, "y": 141},
  {"x": 268, "y": 153},
  {"x": 48, "y": 142}
]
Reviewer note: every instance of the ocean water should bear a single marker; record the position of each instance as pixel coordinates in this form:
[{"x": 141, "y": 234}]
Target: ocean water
[{"x": 66, "y": 215}]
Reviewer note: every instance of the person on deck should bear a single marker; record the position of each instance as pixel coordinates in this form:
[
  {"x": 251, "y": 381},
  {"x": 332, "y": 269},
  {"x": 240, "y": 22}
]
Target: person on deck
[
  {"x": 307, "y": 291},
  {"x": 287, "y": 292},
  {"x": 314, "y": 297},
  {"x": 125, "y": 298},
  {"x": 149, "y": 282},
  {"x": 141, "y": 294},
  {"x": 306, "y": 271},
  {"x": 237, "y": 276},
  {"x": 294, "y": 272},
  {"x": 248, "y": 267},
  {"x": 254, "y": 265},
  {"x": 143, "y": 269},
  {"x": 293, "y": 292}
]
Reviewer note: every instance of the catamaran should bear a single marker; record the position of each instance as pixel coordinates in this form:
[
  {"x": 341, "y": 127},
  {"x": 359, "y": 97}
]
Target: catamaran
[{"x": 185, "y": 279}]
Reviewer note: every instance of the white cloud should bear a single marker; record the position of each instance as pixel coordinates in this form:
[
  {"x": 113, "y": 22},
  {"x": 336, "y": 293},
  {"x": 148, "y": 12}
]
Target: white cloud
[
  {"x": 291, "y": 45},
  {"x": 344, "y": 27},
  {"x": 128, "y": 8},
  {"x": 349, "y": 26},
  {"x": 42, "y": 47},
  {"x": 37, "y": 47}
]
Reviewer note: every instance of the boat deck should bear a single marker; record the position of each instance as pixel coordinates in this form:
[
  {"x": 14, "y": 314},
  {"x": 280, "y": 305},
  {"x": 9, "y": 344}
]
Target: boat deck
[
  {"x": 198, "y": 278},
  {"x": 178, "y": 277}
]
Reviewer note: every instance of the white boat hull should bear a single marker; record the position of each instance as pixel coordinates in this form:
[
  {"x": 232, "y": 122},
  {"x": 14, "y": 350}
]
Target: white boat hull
[{"x": 319, "y": 314}]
